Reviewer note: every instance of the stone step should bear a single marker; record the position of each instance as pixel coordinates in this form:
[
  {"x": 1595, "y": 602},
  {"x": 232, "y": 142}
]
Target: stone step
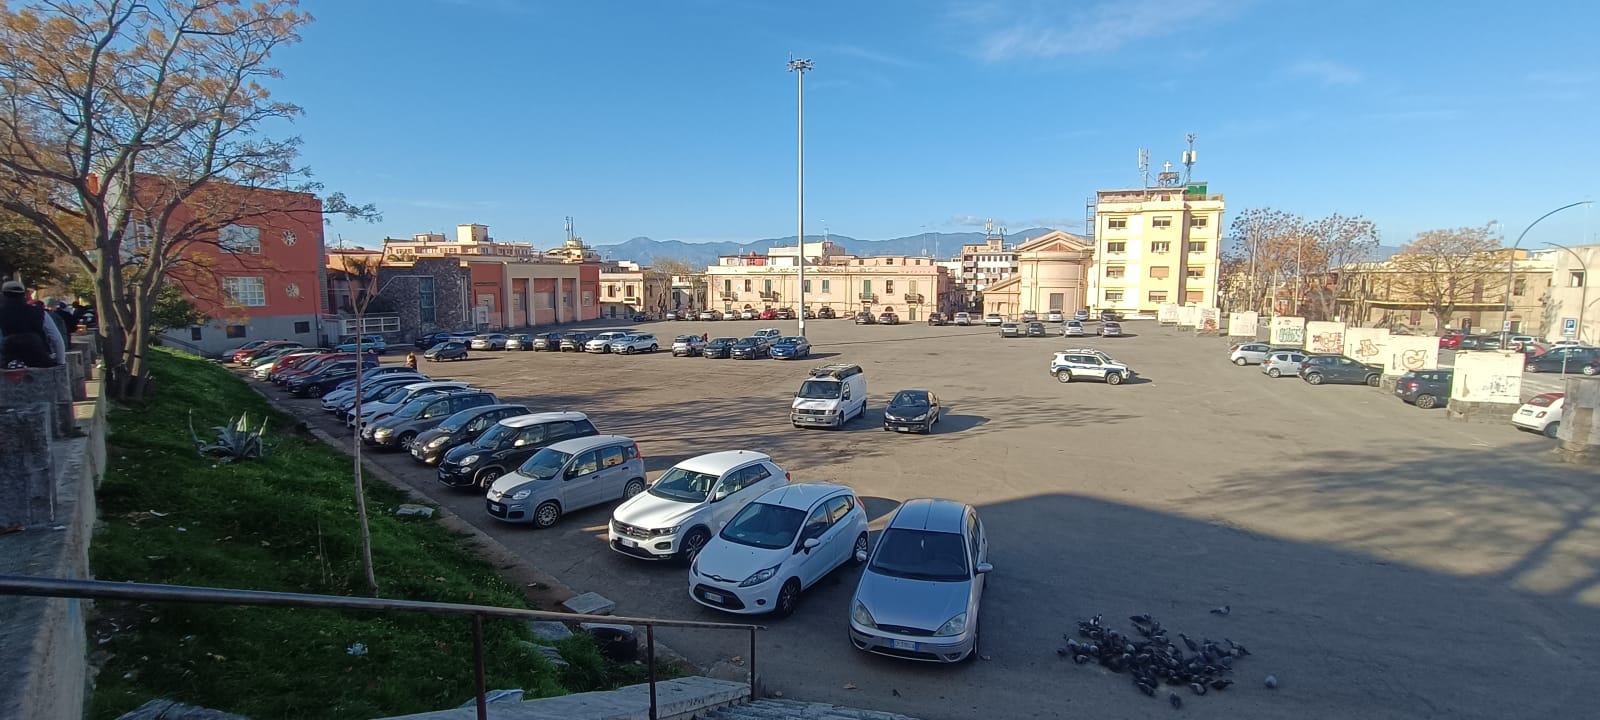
[{"x": 779, "y": 709}]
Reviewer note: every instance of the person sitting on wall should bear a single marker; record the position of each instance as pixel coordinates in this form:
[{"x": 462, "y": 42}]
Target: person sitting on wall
[{"x": 27, "y": 337}]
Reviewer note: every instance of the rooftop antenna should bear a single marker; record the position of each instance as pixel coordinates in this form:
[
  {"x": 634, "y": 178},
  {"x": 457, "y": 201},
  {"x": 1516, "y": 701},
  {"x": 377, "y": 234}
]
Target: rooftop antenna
[
  {"x": 1189, "y": 158},
  {"x": 569, "y": 228},
  {"x": 1144, "y": 167}
]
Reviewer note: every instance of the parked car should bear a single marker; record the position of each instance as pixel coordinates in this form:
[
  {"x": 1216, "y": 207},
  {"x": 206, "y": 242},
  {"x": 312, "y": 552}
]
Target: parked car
[
  {"x": 1105, "y": 315},
  {"x": 286, "y": 361},
  {"x": 243, "y": 357},
  {"x": 784, "y": 313},
  {"x": 1083, "y": 315},
  {"x": 691, "y": 503},
  {"x": 601, "y": 342},
  {"x": 371, "y": 385},
  {"x": 912, "y": 411},
  {"x": 568, "y": 476},
  {"x": 962, "y": 318},
  {"x": 674, "y": 315},
  {"x": 778, "y": 545},
  {"x": 719, "y": 348},
  {"x": 793, "y": 347},
  {"x": 507, "y": 445},
  {"x": 735, "y": 315},
  {"x": 687, "y": 345},
  {"x": 1282, "y": 362},
  {"x": 1072, "y": 365},
  {"x": 807, "y": 314},
  {"x": 830, "y": 397},
  {"x": 489, "y": 341},
  {"x": 921, "y": 592},
  {"x": 397, "y": 429},
  {"x": 574, "y": 341},
  {"x": 936, "y": 319},
  {"x": 1249, "y": 354},
  {"x": 769, "y": 314},
  {"x": 452, "y": 350},
  {"x": 547, "y": 342},
  {"x": 519, "y": 341},
  {"x": 1034, "y": 329},
  {"x": 1029, "y": 316},
  {"x": 1566, "y": 359},
  {"x": 888, "y": 318},
  {"x": 434, "y": 338},
  {"x": 1426, "y": 389},
  {"x": 710, "y": 315},
  {"x": 228, "y": 355},
  {"x": 767, "y": 335},
  {"x": 325, "y": 377},
  {"x": 1542, "y": 414},
  {"x": 368, "y": 343},
  {"x": 374, "y": 408},
  {"x": 825, "y": 313},
  {"x": 993, "y": 319},
  {"x": 1110, "y": 328},
  {"x": 459, "y": 429},
  {"x": 749, "y": 314},
  {"x": 1010, "y": 330},
  {"x": 1055, "y": 316},
  {"x": 1073, "y": 328},
  {"x": 635, "y": 343},
  {"x": 639, "y": 317},
  {"x": 865, "y": 318},
  {"x": 750, "y": 348},
  {"x": 1318, "y": 369},
  {"x": 1450, "y": 341},
  {"x": 307, "y": 367}
]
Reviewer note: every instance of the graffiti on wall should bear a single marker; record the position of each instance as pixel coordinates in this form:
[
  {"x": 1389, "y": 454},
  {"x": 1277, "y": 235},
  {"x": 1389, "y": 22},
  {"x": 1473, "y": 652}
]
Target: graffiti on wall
[
  {"x": 1366, "y": 344},
  {"x": 1288, "y": 331},
  {"x": 1210, "y": 318},
  {"x": 1324, "y": 337},
  {"x": 1411, "y": 352}
]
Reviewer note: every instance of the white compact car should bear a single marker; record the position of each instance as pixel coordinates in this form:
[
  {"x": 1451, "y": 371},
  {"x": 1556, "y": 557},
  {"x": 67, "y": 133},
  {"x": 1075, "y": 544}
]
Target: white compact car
[
  {"x": 396, "y": 398},
  {"x": 1542, "y": 414},
  {"x": 689, "y": 504},
  {"x": 777, "y": 546},
  {"x": 601, "y": 343},
  {"x": 749, "y": 315}
]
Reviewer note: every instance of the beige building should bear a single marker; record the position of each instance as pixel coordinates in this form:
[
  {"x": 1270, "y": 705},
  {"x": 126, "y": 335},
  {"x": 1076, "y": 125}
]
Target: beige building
[
  {"x": 1573, "y": 302},
  {"x": 471, "y": 240},
  {"x": 627, "y": 288},
  {"x": 986, "y": 263},
  {"x": 1155, "y": 245},
  {"x": 907, "y": 285},
  {"x": 1051, "y": 274},
  {"x": 1381, "y": 294}
]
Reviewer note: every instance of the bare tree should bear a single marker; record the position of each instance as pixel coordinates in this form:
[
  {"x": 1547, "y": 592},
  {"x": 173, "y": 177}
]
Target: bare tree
[
  {"x": 131, "y": 135},
  {"x": 1272, "y": 249},
  {"x": 1339, "y": 241},
  {"x": 362, "y": 272},
  {"x": 1444, "y": 269}
]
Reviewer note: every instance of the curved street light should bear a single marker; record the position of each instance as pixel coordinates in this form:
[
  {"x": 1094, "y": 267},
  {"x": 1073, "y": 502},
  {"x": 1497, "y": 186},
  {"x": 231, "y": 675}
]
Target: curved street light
[
  {"x": 1583, "y": 285},
  {"x": 1511, "y": 267}
]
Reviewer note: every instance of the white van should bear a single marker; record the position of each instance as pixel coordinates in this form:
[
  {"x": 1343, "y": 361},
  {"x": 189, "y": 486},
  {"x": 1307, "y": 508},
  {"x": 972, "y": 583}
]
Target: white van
[{"x": 830, "y": 397}]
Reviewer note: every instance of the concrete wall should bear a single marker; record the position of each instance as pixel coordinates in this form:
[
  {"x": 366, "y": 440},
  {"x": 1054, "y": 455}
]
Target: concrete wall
[
  {"x": 214, "y": 334},
  {"x": 1324, "y": 337},
  {"x": 1243, "y": 324},
  {"x": 43, "y": 642},
  {"x": 1487, "y": 386},
  {"x": 1580, "y": 422}
]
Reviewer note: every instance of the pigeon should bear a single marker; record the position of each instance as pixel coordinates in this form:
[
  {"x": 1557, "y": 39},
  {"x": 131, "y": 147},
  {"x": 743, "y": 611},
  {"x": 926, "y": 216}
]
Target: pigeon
[
  {"x": 1146, "y": 689},
  {"x": 1221, "y": 684},
  {"x": 1272, "y": 682},
  {"x": 1198, "y": 688},
  {"x": 1189, "y": 643},
  {"x": 1238, "y": 650},
  {"x": 896, "y": 692},
  {"x": 1140, "y": 619},
  {"x": 1223, "y": 611},
  {"x": 1080, "y": 659},
  {"x": 1177, "y": 702}
]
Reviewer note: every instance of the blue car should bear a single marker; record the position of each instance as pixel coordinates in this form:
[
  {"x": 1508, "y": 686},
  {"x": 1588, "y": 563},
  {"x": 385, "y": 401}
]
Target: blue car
[{"x": 791, "y": 348}]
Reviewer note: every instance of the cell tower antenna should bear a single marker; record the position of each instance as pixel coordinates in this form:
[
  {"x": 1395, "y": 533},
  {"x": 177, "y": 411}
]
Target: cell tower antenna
[
  {"x": 1189, "y": 158},
  {"x": 569, "y": 228},
  {"x": 1144, "y": 167}
]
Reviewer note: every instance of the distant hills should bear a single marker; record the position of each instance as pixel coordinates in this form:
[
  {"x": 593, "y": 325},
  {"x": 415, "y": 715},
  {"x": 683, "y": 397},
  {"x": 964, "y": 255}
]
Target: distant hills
[{"x": 645, "y": 251}]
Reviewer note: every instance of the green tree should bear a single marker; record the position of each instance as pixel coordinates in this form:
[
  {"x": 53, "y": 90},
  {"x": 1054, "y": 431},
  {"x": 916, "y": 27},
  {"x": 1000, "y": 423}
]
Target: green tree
[
  {"x": 172, "y": 311},
  {"x": 24, "y": 252}
]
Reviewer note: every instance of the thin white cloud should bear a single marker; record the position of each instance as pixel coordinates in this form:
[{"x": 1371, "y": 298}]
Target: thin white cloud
[
  {"x": 1325, "y": 71},
  {"x": 1013, "y": 31},
  {"x": 873, "y": 56}
]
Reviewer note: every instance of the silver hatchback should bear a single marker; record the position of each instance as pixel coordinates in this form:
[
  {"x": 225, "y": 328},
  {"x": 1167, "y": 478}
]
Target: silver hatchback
[
  {"x": 1282, "y": 362},
  {"x": 919, "y": 596},
  {"x": 569, "y": 475}
]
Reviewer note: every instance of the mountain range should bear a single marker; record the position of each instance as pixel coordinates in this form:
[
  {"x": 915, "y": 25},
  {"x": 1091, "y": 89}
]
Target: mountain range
[{"x": 646, "y": 251}]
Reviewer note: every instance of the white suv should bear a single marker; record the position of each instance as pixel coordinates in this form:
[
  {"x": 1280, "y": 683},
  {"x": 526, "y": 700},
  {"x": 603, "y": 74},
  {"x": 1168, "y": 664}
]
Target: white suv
[
  {"x": 689, "y": 504},
  {"x": 768, "y": 335},
  {"x": 601, "y": 343},
  {"x": 634, "y": 343},
  {"x": 1071, "y": 365}
]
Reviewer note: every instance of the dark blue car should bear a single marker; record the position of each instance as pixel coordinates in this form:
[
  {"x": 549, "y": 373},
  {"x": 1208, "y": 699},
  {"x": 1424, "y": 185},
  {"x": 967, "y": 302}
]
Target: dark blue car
[{"x": 791, "y": 348}]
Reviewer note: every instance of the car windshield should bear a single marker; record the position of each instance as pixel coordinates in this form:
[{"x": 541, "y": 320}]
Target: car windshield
[
  {"x": 684, "y": 485},
  {"x": 769, "y": 527},
  {"x": 907, "y": 398},
  {"x": 686, "y": 338},
  {"x": 719, "y": 342},
  {"x": 545, "y": 464},
  {"x": 791, "y": 340},
  {"x": 393, "y": 394},
  {"x": 457, "y": 421},
  {"x": 747, "y": 342},
  {"x": 413, "y": 408},
  {"x": 495, "y": 435},
  {"x": 921, "y": 555},
  {"x": 819, "y": 390},
  {"x": 1545, "y": 400}
]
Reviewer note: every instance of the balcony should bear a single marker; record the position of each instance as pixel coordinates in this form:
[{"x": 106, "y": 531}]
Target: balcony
[
  {"x": 770, "y": 295},
  {"x": 728, "y": 295},
  {"x": 913, "y": 297},
  {"x": 869, "y": 297}
]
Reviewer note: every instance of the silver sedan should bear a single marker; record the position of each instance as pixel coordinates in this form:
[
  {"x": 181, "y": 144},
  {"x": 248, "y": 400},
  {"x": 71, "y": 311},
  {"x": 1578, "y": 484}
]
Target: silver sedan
[{"x": 919, "y": 596}]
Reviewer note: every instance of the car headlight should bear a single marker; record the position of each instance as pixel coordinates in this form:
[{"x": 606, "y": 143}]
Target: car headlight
[
  {"x": 661, "y": 532},
  {"x": 470, "y": 459},
  {"x": 858, "y": 613},
  {"x": 521, "y": 494},
  {"x": 436, "y": 442},
  {"x": 760, "y": 576},
  {"x": 920, "y": 418},
  {"x": 382, "y": 432},
  {"x": 953, "y": 626}
]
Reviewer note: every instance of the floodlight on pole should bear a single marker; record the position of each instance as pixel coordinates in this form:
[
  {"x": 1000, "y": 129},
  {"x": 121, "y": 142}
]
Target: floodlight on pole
[{"x": 799, "y": 67}]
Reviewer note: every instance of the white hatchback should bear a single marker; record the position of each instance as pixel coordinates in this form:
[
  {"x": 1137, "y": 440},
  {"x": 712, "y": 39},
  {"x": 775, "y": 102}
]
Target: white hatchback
[
  {"x": 689, "y": 504},
  {"x": 1542, "y": 414},
  {"x": 777, "y": 546}
]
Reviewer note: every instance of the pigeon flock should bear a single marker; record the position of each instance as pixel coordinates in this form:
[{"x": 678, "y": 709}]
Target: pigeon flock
[{"x": 1153, "y": 660}]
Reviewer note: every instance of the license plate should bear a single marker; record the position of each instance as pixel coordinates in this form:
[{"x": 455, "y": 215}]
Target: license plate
[
  {"x": 416, "y": 452},
  {"x": 717, "y": 598},
  {"x": 903, "y": 645},
  {"x": 903, "y": 428},
  {"x": 497, "y": 507},
  {"x": 1525, "y": 412},
  {"x": 627, "y": 543}
]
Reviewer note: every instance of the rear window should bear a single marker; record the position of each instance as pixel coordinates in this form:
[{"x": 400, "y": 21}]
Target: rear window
[{"x": 1546, "y": 399}]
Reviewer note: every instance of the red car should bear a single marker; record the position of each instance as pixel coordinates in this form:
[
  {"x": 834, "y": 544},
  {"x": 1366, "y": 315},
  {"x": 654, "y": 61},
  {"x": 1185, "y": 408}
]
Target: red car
[
  {"x": 243, "y": 355},
  {"x": 1451, "y": 341},
  {"x": 769, "y": 314}
]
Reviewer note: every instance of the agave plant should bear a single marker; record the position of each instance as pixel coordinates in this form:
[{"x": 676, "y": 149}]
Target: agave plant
[{"x": 235, "y": 441}]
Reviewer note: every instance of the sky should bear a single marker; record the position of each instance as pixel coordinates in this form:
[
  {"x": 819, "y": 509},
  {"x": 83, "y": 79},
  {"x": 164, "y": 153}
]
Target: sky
[{"x": 677, "y": 120}]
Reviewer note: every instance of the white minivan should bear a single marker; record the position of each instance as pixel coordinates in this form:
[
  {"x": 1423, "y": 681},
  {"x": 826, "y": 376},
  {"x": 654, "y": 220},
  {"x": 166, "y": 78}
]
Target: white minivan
[
  {"x": 830, "y": 397},
  {"x": 689, "y": 504}
]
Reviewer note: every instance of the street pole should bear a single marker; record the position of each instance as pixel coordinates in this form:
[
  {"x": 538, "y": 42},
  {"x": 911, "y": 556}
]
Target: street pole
[
  {"x": 1511, "y": 267},
  {"x": 1583, "y": 289},
  {"x": 799, "y": 68}
]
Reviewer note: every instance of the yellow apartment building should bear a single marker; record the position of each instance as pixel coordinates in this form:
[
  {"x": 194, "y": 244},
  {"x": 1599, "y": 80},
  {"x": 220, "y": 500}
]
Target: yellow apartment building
[{"x": 1155, "y": 245}]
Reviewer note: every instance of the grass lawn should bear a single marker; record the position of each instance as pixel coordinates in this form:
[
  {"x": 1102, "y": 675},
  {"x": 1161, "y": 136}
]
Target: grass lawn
[{"x": 286, "y": 522}]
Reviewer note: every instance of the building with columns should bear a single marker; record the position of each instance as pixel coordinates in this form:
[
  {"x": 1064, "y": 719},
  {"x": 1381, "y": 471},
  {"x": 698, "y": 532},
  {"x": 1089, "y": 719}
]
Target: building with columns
[
  {"x": 909, "y": 286},
  {"x": 1051, "y": 274}
]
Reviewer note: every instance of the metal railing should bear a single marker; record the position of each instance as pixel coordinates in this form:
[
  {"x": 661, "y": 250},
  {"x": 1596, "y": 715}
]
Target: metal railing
[{"x": 149, "y": 592}]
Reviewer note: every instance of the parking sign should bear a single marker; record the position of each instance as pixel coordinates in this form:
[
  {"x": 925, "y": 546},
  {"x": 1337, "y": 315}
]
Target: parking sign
[{"x": 1569, "y": 327}]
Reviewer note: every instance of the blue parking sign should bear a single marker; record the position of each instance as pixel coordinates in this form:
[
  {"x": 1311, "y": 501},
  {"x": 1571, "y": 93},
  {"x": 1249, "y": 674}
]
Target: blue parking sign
[{"x": 1569, "y": 327}]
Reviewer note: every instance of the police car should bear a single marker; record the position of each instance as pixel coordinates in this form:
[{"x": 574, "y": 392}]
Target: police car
[{"x": 1086, "y": 363}]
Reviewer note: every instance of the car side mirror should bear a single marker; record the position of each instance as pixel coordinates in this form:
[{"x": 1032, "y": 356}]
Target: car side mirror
[
  {"x": 719, "y": 496},
  {"x": 984, "y": 568},
  {"x": 571, "y": 473},
  {"x": 807, "y": 544},
  {"x": 797, "y": 394}
]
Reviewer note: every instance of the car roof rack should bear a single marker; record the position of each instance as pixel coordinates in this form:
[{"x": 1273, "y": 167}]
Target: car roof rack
[{"x": 836, "y": 370}]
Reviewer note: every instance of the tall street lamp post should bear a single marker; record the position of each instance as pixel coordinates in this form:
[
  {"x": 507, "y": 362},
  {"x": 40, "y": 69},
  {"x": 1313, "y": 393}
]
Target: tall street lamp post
[
  {"x": 1583, "y": 286},
  {"x": 1511, "y": 267},
  {"x": 799, "y": 68}
]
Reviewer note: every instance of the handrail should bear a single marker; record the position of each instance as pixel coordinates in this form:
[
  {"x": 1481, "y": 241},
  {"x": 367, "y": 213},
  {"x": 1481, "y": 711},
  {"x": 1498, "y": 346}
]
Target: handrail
[{"x": 153, "y": 592}]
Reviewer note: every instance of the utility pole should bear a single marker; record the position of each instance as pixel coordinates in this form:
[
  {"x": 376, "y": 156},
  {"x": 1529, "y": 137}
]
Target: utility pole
[{"x": 799, "y": 68}]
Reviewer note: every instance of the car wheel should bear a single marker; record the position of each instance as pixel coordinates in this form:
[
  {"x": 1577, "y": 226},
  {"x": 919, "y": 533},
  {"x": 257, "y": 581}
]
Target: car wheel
[
  {"x": 316, "y": 391},
  {"x": 654, "y": 348},
  {"x": 1114, "y": 378},
  {"x": 1427, "y": 402},
  {"x": 1551, "y": 429},
  {"x": 1314, "y": 378},
  {"x": 1241, "y": 362},
  {"x": 861, "y": 548},
  {"x": 1064, "y": 376},
  {"x": 693, "y": 544},
  {"x": 405, "y": 440},
  {"x": 487, "y": 476},
  {"x": 1274, "y": 372},
  {"x": 788, "y": 597},
  {"x": 546, "y": 514},
  {"x": 634, "y": 487},
  {"x": 1372, "y": 380}
]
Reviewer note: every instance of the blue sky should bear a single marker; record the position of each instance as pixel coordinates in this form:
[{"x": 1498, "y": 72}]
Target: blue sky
[{"x": 676, "y": 120}]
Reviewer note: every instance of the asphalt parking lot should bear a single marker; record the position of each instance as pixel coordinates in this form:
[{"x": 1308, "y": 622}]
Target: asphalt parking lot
[{"x": 1380, "y": 560}]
